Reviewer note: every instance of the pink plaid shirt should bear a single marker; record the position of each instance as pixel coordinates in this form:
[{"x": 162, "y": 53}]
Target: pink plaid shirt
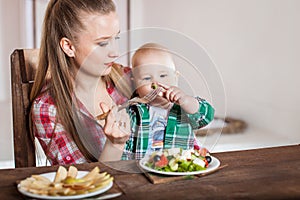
[{"x": 60, "y": 147}]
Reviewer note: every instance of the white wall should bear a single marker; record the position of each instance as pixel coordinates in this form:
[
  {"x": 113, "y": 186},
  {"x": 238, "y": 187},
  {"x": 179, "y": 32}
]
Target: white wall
[
  {"x": 254, "y": 43},
  {"x": 11, "y": 37}
]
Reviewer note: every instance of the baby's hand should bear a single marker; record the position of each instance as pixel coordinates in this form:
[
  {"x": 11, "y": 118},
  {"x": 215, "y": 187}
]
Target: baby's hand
[{"x": 173, "y": 94}]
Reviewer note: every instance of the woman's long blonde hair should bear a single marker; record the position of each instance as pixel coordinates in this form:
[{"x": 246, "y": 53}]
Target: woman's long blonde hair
[{"x": 55, "y": 71}]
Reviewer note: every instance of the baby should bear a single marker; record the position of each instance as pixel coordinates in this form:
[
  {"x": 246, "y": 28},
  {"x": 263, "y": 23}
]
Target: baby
[{"x": 168, "y": 121}]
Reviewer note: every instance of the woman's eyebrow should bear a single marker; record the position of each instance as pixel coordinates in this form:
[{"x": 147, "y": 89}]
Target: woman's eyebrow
[{"x": 107, "y": 37}]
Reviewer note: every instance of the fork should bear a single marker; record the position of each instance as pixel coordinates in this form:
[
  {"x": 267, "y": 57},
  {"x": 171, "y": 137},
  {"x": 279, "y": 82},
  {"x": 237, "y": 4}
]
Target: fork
[{"x": 146, "y": 99}]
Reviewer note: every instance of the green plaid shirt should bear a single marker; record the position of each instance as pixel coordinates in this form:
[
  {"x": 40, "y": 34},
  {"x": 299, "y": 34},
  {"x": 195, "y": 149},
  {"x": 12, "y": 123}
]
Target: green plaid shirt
[{"x": 178, "y": 133}]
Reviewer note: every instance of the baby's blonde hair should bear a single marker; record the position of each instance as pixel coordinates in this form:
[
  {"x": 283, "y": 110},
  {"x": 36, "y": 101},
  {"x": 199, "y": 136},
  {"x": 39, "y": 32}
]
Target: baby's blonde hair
[{"x": 149, "y": 48}]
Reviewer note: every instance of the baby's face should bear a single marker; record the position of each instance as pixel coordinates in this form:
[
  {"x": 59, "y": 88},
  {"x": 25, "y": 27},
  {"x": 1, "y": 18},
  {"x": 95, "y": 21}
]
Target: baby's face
[{"x": 153, "y": 68}]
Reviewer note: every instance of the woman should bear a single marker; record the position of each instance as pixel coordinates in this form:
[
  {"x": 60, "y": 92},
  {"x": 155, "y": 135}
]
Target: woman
[{"x": 75, "y": 83}]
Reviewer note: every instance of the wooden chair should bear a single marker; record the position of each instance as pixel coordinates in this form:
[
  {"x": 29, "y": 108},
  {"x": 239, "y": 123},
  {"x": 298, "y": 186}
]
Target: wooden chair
[{"x": 23, "y": 69}]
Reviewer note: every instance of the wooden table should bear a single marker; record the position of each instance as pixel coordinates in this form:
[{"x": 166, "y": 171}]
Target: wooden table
[{"x": 270, "y": 173}]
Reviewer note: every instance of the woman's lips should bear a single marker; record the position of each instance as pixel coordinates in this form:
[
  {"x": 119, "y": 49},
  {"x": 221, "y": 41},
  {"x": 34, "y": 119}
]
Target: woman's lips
[{"x": 109, "y": 64}]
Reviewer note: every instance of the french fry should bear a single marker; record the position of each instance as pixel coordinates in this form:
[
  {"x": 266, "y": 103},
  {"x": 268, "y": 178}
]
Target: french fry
[
  {"x": 78, "y": 192},
  {"x": 38, "y": 191},
  {"x": 57, "y": 185},
  {"x": 39, "y": 185},
  {"x": 25, "y": 183},
  {"x": 100, "y": 180},
  {"x": 79, "y": 185},
  {"x": 102, "y": 184},
  {"x": 41, "y": 178},
  {"x": 34, "y": 184},
  {"x": 91, "y": 174},
  {"x": 101, "y": 175}
]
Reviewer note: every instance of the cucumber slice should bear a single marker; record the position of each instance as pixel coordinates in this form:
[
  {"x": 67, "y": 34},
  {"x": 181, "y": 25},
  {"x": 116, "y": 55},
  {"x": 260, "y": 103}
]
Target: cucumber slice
[{"x": 173, "y": 164}]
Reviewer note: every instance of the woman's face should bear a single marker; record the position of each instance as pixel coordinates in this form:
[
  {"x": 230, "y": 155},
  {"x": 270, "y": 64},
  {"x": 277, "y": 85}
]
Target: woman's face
[{"x": 96, "y": 46}]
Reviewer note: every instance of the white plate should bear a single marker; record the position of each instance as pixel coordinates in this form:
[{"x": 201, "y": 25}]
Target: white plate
[
  {"x": 215, "y": 163},
  {"x": 51, "y": 176}
]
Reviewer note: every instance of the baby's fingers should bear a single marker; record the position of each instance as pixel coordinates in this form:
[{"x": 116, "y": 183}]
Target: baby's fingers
[
  {"x": 164, "y": 86},
  {"x": 171, "y": 93},
  {"x": 175, "y": 96}
]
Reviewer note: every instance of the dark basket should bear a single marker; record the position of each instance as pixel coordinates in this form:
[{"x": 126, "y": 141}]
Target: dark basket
[{"x": 231, "y": 126}]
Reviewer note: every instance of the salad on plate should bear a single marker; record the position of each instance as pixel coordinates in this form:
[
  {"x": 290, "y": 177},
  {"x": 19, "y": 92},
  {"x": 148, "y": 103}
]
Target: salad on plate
[{"x": 178, "y": 160}]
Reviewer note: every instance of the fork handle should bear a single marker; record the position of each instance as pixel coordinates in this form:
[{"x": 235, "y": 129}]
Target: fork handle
[
  {"x": 121, "y": 107},
  {"x": 124, "y": 105}
]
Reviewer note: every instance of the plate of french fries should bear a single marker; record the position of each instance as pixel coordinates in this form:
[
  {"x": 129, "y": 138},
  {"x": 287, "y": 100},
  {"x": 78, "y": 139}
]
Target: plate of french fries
[{"x": 66, "y": 184}]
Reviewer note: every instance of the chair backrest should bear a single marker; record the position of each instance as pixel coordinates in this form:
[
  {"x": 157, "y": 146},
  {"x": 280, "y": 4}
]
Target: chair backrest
[{"x": 23, "y": 69}]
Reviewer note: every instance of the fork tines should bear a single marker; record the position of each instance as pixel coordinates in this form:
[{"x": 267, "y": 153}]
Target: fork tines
[{"x": 153, "y": 94}]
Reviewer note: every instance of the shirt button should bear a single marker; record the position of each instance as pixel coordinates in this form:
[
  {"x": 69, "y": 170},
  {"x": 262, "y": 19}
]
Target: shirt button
[{"x": 68, "y": 158}]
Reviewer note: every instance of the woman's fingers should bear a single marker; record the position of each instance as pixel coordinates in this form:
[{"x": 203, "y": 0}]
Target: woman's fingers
[
  {"x": 117, "y": 136},
  {"x": 104, "y": 107},
  {"x": 120, "y": 139},
  {"x": 117, "y": 126},
  {"x": 109, "y": 122},
  {"x": 105, "y": 111}
]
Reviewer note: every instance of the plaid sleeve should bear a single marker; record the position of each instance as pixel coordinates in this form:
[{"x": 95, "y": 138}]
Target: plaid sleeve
[
  {"x": 204, "y": 115},
  {"x": 57, "y": 145}
]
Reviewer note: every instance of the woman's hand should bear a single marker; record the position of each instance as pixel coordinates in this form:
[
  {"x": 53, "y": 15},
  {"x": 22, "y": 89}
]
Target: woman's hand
[
  {"x": 117, "y": 131},
  {"x": 117, "y": 125}
]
